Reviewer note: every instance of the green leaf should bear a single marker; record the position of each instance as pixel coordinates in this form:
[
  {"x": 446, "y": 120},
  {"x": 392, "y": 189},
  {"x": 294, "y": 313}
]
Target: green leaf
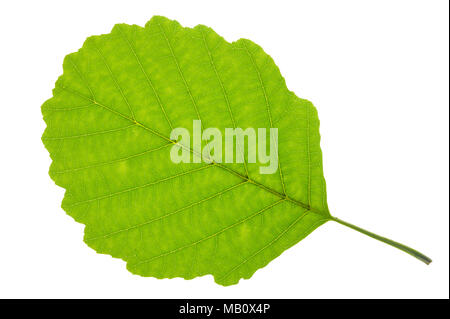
[{"x": 108, "y": 133}]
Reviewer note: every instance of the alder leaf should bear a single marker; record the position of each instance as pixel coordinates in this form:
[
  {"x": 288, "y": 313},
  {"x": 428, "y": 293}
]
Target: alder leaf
[{"x": 108, "y": 133}]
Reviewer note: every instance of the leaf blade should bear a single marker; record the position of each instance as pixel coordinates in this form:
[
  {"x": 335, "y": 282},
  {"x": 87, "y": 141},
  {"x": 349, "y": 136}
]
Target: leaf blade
[{"x": 115, "y": 76}]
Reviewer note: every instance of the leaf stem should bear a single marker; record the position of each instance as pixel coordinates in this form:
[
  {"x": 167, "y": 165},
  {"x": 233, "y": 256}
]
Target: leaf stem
[{"x": 388, "y": 241}]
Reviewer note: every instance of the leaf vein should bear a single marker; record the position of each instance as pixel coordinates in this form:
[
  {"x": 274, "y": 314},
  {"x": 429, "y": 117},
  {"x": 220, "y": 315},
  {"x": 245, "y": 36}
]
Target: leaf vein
[
  {"x": 108, "y": 235},
  {"x": 115, "y": 80},
  {"x": 89, "y": 134},
  {"x": 225, "y": 95},
  {"x": 141, "y": 186},
  {"x": 112, "y": 161},
  {"x": 149, "y": 81},
  {"x": 268, "y": 111},
  {"x": 209, "y": 236}
]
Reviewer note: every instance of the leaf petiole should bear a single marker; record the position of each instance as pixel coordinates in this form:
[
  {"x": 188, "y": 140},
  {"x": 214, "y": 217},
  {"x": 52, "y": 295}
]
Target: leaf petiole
[{"x": 388, "y": 241}]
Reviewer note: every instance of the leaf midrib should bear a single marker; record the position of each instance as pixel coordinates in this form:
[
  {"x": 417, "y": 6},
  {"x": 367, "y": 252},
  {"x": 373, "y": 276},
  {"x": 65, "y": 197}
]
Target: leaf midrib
[{"x": 156, "y": 133}]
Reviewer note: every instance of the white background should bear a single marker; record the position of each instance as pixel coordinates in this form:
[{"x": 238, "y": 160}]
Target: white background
[{"x": 377, "y": 72}]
